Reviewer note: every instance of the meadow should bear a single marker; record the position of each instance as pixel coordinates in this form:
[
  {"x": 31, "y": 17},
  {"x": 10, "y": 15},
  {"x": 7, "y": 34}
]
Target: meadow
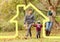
[{"x": 8, "y": 10}]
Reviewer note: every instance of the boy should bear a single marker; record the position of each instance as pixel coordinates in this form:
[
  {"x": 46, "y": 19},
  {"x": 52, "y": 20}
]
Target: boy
[
  {"x": 38, "y": 29},
  {"x": 29, "y": 20}
]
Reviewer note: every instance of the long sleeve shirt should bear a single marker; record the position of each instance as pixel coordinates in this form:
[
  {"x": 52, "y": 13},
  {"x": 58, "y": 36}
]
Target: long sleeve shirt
[{"x": 29, "y": 19}]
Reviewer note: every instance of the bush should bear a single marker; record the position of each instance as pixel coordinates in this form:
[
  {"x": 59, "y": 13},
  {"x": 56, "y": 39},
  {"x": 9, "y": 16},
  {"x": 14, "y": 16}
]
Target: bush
[{"x": 7, "y": 27}]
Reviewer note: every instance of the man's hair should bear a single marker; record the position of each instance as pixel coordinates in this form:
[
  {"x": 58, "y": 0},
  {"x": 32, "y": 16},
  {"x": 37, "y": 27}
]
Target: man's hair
[{"x": 31, "y": 10}]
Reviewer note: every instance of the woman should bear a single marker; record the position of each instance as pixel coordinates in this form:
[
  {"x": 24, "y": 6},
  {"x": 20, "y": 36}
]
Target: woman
[{"x": 49, "y": 24}]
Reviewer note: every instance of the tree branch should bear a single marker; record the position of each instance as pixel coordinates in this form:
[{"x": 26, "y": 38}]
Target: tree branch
[
  {"x": 45, "y": 3},
  {"x": 49, "y": 1},
  {"x": 25, "y": 2},
  {"x": 57, "y": 3},
  {"x": 37, "y": 6}
]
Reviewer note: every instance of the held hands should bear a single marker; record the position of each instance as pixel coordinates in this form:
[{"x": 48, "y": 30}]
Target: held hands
[{"x": 33, "y": 23}]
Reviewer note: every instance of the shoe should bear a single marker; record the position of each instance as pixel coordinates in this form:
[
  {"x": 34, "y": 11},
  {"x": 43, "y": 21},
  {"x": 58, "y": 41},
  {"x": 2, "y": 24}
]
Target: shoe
[{"x": 25, "y": 38}]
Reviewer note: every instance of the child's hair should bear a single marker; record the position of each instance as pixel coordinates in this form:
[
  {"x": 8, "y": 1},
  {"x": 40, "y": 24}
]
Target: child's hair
[
  {"x": 51, "y": 7},
  {"x": 29, "y": 9}
]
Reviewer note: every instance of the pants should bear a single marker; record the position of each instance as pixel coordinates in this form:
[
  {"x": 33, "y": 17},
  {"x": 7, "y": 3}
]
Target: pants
[
  {"x": 38, "y": 34},
  {"x": 48, "y": 28},
  {"x": 29, "y": 30}
]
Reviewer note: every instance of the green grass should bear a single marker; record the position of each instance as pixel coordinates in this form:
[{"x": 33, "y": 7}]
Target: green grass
[{"x": 7, "y": 33}]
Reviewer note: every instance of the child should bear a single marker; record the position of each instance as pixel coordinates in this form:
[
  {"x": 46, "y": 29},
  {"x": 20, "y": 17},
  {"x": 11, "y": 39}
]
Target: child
[
  {"x": 29, "y": 19},
  {"x": 38, "y": 29}
]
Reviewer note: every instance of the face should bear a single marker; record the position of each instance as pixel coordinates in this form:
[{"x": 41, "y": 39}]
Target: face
[
  {"x": 50, "y": 8},
  {"x": 30, "y": 11}
]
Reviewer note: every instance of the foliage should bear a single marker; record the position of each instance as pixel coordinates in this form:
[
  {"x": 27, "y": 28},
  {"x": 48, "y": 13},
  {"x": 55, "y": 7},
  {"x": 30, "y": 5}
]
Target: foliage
[{"x": 8, "y": 10}]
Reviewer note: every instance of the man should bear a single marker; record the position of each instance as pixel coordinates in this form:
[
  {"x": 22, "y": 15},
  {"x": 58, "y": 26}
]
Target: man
[{"x": 29, "y": 20}]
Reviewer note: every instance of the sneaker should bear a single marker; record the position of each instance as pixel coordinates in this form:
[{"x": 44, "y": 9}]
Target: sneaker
[{"x": 25, "y": 37}]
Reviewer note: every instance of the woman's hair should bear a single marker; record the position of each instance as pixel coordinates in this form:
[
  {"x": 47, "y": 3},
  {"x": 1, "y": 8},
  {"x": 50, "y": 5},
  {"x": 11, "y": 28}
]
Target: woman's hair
[{"x": 51, "y": 7}]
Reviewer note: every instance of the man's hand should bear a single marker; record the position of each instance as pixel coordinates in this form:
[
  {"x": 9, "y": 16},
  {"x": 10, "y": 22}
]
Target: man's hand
[
  {"x": 33, "y": 23},
  {"x": 25, "y": 26}
]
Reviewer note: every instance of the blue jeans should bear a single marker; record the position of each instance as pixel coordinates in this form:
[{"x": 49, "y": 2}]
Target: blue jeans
[{"x": 49, "y": 25}]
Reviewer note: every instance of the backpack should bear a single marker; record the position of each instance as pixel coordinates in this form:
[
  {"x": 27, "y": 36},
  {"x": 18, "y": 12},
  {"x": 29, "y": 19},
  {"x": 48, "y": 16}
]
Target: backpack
[{"x": 49, "y": 13}]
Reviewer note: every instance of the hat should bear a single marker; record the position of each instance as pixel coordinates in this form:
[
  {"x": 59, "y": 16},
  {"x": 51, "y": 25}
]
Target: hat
[{"x": 38, "y": 21}]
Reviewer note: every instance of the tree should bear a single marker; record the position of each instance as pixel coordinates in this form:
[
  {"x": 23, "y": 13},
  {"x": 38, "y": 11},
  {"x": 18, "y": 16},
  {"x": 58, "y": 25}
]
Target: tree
[{"x": 50, "y": 4}]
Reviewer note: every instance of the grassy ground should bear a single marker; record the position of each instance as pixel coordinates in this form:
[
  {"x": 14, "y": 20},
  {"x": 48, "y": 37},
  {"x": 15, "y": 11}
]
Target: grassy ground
[
  {"x": 33, "y": 39},
  {"x": 7, "y": 33}
]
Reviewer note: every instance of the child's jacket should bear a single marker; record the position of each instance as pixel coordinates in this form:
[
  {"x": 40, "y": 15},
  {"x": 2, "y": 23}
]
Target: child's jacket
[{"x": 38, "y": 27}]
